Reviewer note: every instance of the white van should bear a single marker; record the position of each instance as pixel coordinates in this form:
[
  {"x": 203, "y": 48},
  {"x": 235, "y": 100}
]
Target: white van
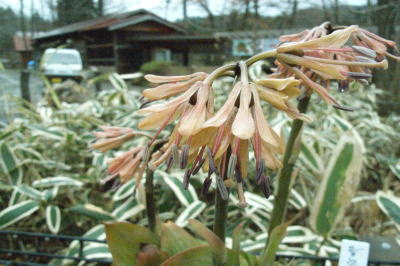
[{"x": 61, "y": 64}]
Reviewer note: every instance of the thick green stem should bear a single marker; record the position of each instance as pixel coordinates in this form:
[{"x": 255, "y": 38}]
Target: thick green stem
[
  {"x": 221, "y": 211},
  {"x": 221, "y": 207},
  {"x": 150, "y": 203},
  {"x": 285, "y": 176}
]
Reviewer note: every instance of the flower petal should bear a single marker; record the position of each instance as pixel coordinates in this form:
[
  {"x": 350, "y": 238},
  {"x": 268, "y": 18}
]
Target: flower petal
[
  {"x": 243, "y": 125},
  {"x": 334, "y": 40},
  {"x": 162, "y": 79}
]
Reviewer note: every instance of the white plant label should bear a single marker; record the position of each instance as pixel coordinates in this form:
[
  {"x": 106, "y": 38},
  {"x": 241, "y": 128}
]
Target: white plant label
[{"x": 353, "y": 253}]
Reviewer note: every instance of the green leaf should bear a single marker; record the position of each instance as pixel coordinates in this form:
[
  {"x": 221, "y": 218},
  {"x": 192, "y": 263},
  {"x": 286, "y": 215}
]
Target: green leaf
[
  {"x": 17, "y": 212},
  {"x": 191, "y": 212},
  {"x": 16, "y": 197},
  {"x": 93, "y": 211},
  {"x": 29, "y": 191},
  {"x": 9, "y": 164},
  {"x": 395, "y": 168},
  {"x": 338, "y": 185},
  {"x": 128, "y": 209},
  {"x": 46, "y": 132},
  {"x": 216, "y": 244},
  {"x": 50, "y": 193},
  {"x": 311, "y": 159},
  {"x": 125, "y": 190},
  {"x": 277, "y": 234},
  {"x": 57, "y": 181},
  {"x": 184, "y": 196},
  {"x": 390, "y": 205},
  {"x": 195, "y": 256},
  {"x": 175, "y": 239},
  {"x": 341, "y": 123},
  {"x": 53, "y": 218},
  {"x": 124, "y": 239},
  {"x": 234, "y": 256}
]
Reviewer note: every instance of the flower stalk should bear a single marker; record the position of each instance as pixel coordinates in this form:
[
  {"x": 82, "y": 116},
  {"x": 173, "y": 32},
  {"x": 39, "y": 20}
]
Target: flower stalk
[
  {"x": 285, "y": 175},
  {"x": 150, "y": 203},
  {"x": 221, "y": 210}
]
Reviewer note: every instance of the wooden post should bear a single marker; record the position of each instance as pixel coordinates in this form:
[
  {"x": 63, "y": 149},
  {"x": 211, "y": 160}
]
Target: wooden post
[{"x": 24, "y": 85}]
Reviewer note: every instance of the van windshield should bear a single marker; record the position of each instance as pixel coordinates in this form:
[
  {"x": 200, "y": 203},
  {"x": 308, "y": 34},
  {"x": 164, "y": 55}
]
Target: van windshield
[{"x": 62, "y": 58}]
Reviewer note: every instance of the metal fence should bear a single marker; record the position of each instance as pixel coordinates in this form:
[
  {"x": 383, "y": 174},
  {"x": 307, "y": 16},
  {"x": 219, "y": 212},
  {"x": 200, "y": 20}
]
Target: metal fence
[
  {"x": 39, "y": 254},
  {"x": 42, "y": 248}
]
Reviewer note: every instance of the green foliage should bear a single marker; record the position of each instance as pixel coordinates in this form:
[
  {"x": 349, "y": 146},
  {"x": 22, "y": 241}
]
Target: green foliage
[{"x": 155, "y": 67}]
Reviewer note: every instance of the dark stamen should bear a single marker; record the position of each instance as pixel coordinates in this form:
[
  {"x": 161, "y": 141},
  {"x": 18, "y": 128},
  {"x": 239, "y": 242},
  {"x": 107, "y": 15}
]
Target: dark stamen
[
  {"x": 206, "y": 186},
  {"x": 186, "y": 178},
  {"x": 144, "y": 104},
  {"x": 343, "y": 108},
  {"x": 265, "y": 186},
  {"x": 184, "y": 156},
  {"x": 364, "y": 51},
  {"x": 358, "y": 75},
  {"x": 260, "y": 167}
]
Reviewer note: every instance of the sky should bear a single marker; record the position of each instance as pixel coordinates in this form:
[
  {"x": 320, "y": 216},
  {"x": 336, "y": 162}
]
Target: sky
[{"x": 171, "y": 12}]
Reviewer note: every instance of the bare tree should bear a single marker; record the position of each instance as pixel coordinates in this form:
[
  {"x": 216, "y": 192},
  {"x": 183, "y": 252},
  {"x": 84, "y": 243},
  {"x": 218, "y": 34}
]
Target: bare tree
[{"x": 205, "y": 6}]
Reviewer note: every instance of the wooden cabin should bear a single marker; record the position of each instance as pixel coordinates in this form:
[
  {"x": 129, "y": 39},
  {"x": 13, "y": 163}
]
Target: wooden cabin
[{"x": 128, "y": 40}]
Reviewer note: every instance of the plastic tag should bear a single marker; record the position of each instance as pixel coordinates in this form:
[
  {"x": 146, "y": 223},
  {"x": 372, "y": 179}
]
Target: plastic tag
[{"x": 353, "y": 253}]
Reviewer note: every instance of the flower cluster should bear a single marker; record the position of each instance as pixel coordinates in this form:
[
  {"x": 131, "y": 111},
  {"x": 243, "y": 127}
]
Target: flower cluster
[{"x": 218, "y": 141}]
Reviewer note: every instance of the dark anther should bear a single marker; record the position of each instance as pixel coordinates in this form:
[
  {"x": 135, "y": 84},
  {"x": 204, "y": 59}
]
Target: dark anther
[
  {"x": 186, "y": 178},
  {"x": 198, "y": 166},
  {"x": 343, "y": 85},
  {"x": 260, "y": 167},
  {"x": 237, "y": 70},
  {"x": 343, "y": 108},
  {"x": 206, "y": 186},
  {"x": 358, "y": 75},
  {"x": 193, "y": 99},
  {"x": 184, "y": 156},
  {"x": 144, "y": 104},
  {"x": 238, "y": 173},
  {"x": 265, "y": 186},
  {"x": 237, "y": 102}
]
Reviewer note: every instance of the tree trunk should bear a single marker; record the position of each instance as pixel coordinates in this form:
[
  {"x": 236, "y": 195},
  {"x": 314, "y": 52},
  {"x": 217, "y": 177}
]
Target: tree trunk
[
  {"x": 184, "y": 10},
  {"x": 384, "y": 17},
  {"x": 293, "y": 12}
]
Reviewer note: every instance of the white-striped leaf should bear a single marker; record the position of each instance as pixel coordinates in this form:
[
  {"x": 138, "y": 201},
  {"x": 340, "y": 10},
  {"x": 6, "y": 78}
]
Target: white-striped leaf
[
  {"x": 93, "y": 211},
  {"x": 50, "y": 193},
  {"x": 17, "y": 212},
  {"x": 128, "y": 209},
  {"x": 297, "y": 200},
  {"x": 57, "y": 181},
  {"x": 125, "y": 191},
  {"x": 338, "y": 185},
  {"x": 29, "y": 192},
  {"x": 9, "y": 163},
  {"x": 53, "y": 218},
  {"x": 186, "y": 197},
  {"x": 395, "y": 169},
  {"x": 390, "y": 205},
  {"x": 310, "y": 157},
  {"x": 97, "y": 251},
  {"x": 191, "y": 212},
  {"x": 99, "y": 159},
  {"x": 16, "y": 197},
  {"x": 46, "y": 132},
  {"x": 298, "y": 234},
  {"x": 341, "y": 123},
  {"x": 255, "y": 200}
]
